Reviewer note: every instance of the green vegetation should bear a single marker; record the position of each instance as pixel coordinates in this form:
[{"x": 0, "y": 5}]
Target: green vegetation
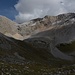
[
  {"x": 67, "y": 47},
  {"x": 38, "y": 61},
  {"x": 34, "y": 69}
]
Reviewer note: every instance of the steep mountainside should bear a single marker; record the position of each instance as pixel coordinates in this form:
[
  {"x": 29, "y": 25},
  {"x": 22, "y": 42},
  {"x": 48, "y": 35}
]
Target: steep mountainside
[
  {"x": 11, "y": 49},
  {"x": 61, "y": 33},
  {"x": 7, "y": 26},
  {"x": 42, "y": 24},
  {"x": 25, "y": 30}
]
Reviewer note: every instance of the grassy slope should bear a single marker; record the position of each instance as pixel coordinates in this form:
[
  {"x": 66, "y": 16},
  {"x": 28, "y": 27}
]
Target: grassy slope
[
  {"x": 34, "y": 69},
  {"x": 67, "y": 47},
  {"x": 44, "y": 62},
  {"x": 30, "y": 53}
]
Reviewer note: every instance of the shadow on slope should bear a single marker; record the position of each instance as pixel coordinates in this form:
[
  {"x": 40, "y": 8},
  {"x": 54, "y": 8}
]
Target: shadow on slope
[{"x": 67, "y": 47}]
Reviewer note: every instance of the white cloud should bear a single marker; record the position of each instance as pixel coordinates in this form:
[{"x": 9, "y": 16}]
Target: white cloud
[{"x": 30, "y": 9}]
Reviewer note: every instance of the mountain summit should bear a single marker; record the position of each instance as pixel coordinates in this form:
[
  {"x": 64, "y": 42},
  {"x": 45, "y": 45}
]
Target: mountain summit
[
  {"x": 42, "y": 24},
  {"x": 6, "y": 25}
]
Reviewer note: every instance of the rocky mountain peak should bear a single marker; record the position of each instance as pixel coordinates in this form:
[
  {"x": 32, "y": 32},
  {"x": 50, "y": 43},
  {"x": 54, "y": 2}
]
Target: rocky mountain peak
[
  {"x": 41, "y": 24},
  {"x": 7, "y": 26}
]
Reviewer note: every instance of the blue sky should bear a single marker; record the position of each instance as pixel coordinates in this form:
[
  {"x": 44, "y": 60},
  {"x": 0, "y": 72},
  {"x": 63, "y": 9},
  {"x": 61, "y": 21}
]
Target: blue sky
[{"x": 7, "y": 8}]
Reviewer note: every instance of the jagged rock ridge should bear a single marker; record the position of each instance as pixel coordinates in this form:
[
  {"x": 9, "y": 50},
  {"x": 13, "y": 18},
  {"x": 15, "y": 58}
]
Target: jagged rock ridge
[{"x": 48, "y": 22}]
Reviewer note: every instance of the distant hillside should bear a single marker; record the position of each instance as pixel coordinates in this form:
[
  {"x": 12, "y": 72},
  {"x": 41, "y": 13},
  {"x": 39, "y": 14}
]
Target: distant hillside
[
  {"x": 42, "y": 24},
  {"x": 62, "y": 32},
  {"x": 7, "y": 26},
  {"x": 25, "y": 30}
]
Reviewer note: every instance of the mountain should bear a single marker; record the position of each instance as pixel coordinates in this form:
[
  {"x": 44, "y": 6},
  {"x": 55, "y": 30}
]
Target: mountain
[
  {"x": 57, "y": 36},
  {"x": 41, "y": 24},
  {"x": 49, "y": 33},
  {"x": 9, "y": 27},
  {"x": 40, "y": 46},
  {"x": 25, "y": 30}
]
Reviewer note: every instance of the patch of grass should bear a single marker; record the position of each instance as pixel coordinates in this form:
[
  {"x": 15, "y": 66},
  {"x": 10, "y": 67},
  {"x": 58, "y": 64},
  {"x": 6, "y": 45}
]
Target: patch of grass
[
  {"x": 35, "y": 69},
  {"x": 66, "y": 47}
]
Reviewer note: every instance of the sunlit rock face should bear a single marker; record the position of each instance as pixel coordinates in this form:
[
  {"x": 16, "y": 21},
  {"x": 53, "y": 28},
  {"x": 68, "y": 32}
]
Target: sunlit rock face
[
  {"x": 7, "y": 26},
  {"x": 34, "y": 26},
  {"x": 46, "y": 23}
]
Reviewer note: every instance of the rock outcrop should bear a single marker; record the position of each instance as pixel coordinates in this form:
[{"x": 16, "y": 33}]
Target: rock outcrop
[{"x": 7, "y": 26}]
